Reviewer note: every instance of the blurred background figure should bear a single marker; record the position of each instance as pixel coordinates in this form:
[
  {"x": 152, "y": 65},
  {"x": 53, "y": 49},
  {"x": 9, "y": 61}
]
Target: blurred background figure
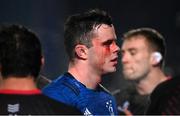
[
  {"x": 20, "y": 62},
  {"x": 143, "y": 53}
]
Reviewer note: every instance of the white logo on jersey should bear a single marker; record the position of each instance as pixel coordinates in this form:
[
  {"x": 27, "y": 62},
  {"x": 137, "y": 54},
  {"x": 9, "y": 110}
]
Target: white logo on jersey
[
  {"x": 13, "y": 108},
  {"x": 109, "y": 106},
  {"x": 87, "y": 112}
]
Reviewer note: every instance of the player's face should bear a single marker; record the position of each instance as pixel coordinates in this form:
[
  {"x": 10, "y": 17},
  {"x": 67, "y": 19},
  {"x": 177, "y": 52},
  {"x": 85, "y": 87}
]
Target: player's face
[
  {"x": 135, "y": 58},
  {"x": 103, "y": 54}
]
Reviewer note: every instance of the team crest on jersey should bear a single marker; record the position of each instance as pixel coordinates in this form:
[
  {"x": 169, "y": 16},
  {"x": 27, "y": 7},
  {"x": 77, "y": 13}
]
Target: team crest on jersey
[{"x": 109, "y": 106}]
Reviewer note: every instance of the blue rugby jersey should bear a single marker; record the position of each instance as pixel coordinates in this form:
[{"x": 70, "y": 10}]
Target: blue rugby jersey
[{"x": 68, "y": 90}]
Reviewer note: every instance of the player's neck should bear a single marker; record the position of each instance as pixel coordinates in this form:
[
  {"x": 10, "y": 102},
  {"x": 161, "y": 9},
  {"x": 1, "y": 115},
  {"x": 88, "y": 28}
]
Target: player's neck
[
  {"x": 15, "y": 83},
  {"x": 85, "y": 76},
  {"x": 148, "y": 84}
]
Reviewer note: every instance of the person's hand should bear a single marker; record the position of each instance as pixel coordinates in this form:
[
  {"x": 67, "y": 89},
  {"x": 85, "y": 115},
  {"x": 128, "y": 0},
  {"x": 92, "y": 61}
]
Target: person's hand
[
  {"x": 127, "y": 112},
  {"x": 124, "y": 109}
]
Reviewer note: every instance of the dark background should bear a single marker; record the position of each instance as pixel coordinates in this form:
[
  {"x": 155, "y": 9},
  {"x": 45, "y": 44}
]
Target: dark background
[{"x": 46, "y": 18}]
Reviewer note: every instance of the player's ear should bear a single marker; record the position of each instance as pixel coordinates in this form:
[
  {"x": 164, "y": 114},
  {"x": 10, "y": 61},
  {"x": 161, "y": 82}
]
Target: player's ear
[
  {"x": 156, "y": 57},
  {"x": 81, "y": 51},
  {"x": 42, "y": 61}
]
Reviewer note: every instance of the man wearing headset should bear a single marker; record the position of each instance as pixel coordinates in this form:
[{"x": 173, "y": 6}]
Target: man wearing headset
[{"x": 143, "y": 52}]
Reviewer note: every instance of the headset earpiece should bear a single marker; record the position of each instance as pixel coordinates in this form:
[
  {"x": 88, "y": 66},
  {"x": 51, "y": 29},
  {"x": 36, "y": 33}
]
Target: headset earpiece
[{"x": 157, "y": 56}]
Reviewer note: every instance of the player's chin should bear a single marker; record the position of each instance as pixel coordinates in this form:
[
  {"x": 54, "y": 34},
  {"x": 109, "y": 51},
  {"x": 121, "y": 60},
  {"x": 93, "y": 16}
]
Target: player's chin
[
  {"x": 112, "y": 69},
  {"x": 129, "y": 77}
]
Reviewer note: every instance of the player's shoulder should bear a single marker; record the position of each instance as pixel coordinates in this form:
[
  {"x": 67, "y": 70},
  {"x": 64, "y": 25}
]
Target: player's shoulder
[{"x": 65, "y": 84}]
